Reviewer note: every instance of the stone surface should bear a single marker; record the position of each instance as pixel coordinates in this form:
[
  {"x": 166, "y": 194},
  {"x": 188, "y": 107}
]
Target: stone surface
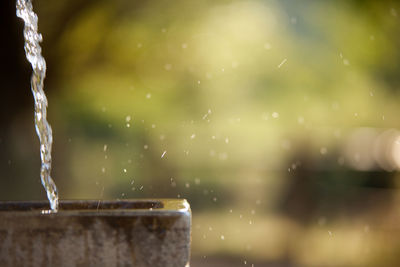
[{"x": 140, "y": 233}]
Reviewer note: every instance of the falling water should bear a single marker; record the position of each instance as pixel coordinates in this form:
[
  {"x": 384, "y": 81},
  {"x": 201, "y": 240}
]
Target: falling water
[{"x": 43, "y": 129}]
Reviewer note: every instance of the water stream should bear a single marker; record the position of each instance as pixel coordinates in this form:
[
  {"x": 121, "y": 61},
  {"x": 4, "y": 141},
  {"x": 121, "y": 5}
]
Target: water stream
[{"x": 43, "y": 129}]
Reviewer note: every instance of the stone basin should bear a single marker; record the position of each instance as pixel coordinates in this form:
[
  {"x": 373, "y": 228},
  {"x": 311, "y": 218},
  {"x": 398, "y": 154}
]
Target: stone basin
[{"x": 137, "y": 232}]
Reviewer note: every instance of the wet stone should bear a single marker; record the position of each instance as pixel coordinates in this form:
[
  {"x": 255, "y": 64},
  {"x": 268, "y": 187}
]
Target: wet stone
[{"x": 88, "y": 233}]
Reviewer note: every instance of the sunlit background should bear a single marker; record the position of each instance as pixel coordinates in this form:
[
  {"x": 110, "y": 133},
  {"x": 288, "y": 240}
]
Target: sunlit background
[{"x": 277, "y": 120}]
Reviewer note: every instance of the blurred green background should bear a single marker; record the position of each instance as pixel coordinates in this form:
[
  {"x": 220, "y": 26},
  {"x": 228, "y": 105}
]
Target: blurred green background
[{"x": 277, "y": 120}]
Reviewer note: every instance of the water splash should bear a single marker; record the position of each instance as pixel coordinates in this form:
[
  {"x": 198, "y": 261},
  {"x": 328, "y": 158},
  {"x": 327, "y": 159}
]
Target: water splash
[{"x": 43, "y": 129}]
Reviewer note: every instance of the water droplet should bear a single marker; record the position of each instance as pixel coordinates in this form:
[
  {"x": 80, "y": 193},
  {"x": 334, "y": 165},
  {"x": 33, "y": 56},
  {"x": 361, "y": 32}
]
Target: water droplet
[
  {"x": 148, "y": 95},
  {"x": 206, "y": 115},
  {"x": 222, "y": 237},
  {"x": 192, "y": 136},
  {"x": 275, "y": 115},
  {"x": 46, "y": 211},
  {"x": 281, "y": 64}
]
